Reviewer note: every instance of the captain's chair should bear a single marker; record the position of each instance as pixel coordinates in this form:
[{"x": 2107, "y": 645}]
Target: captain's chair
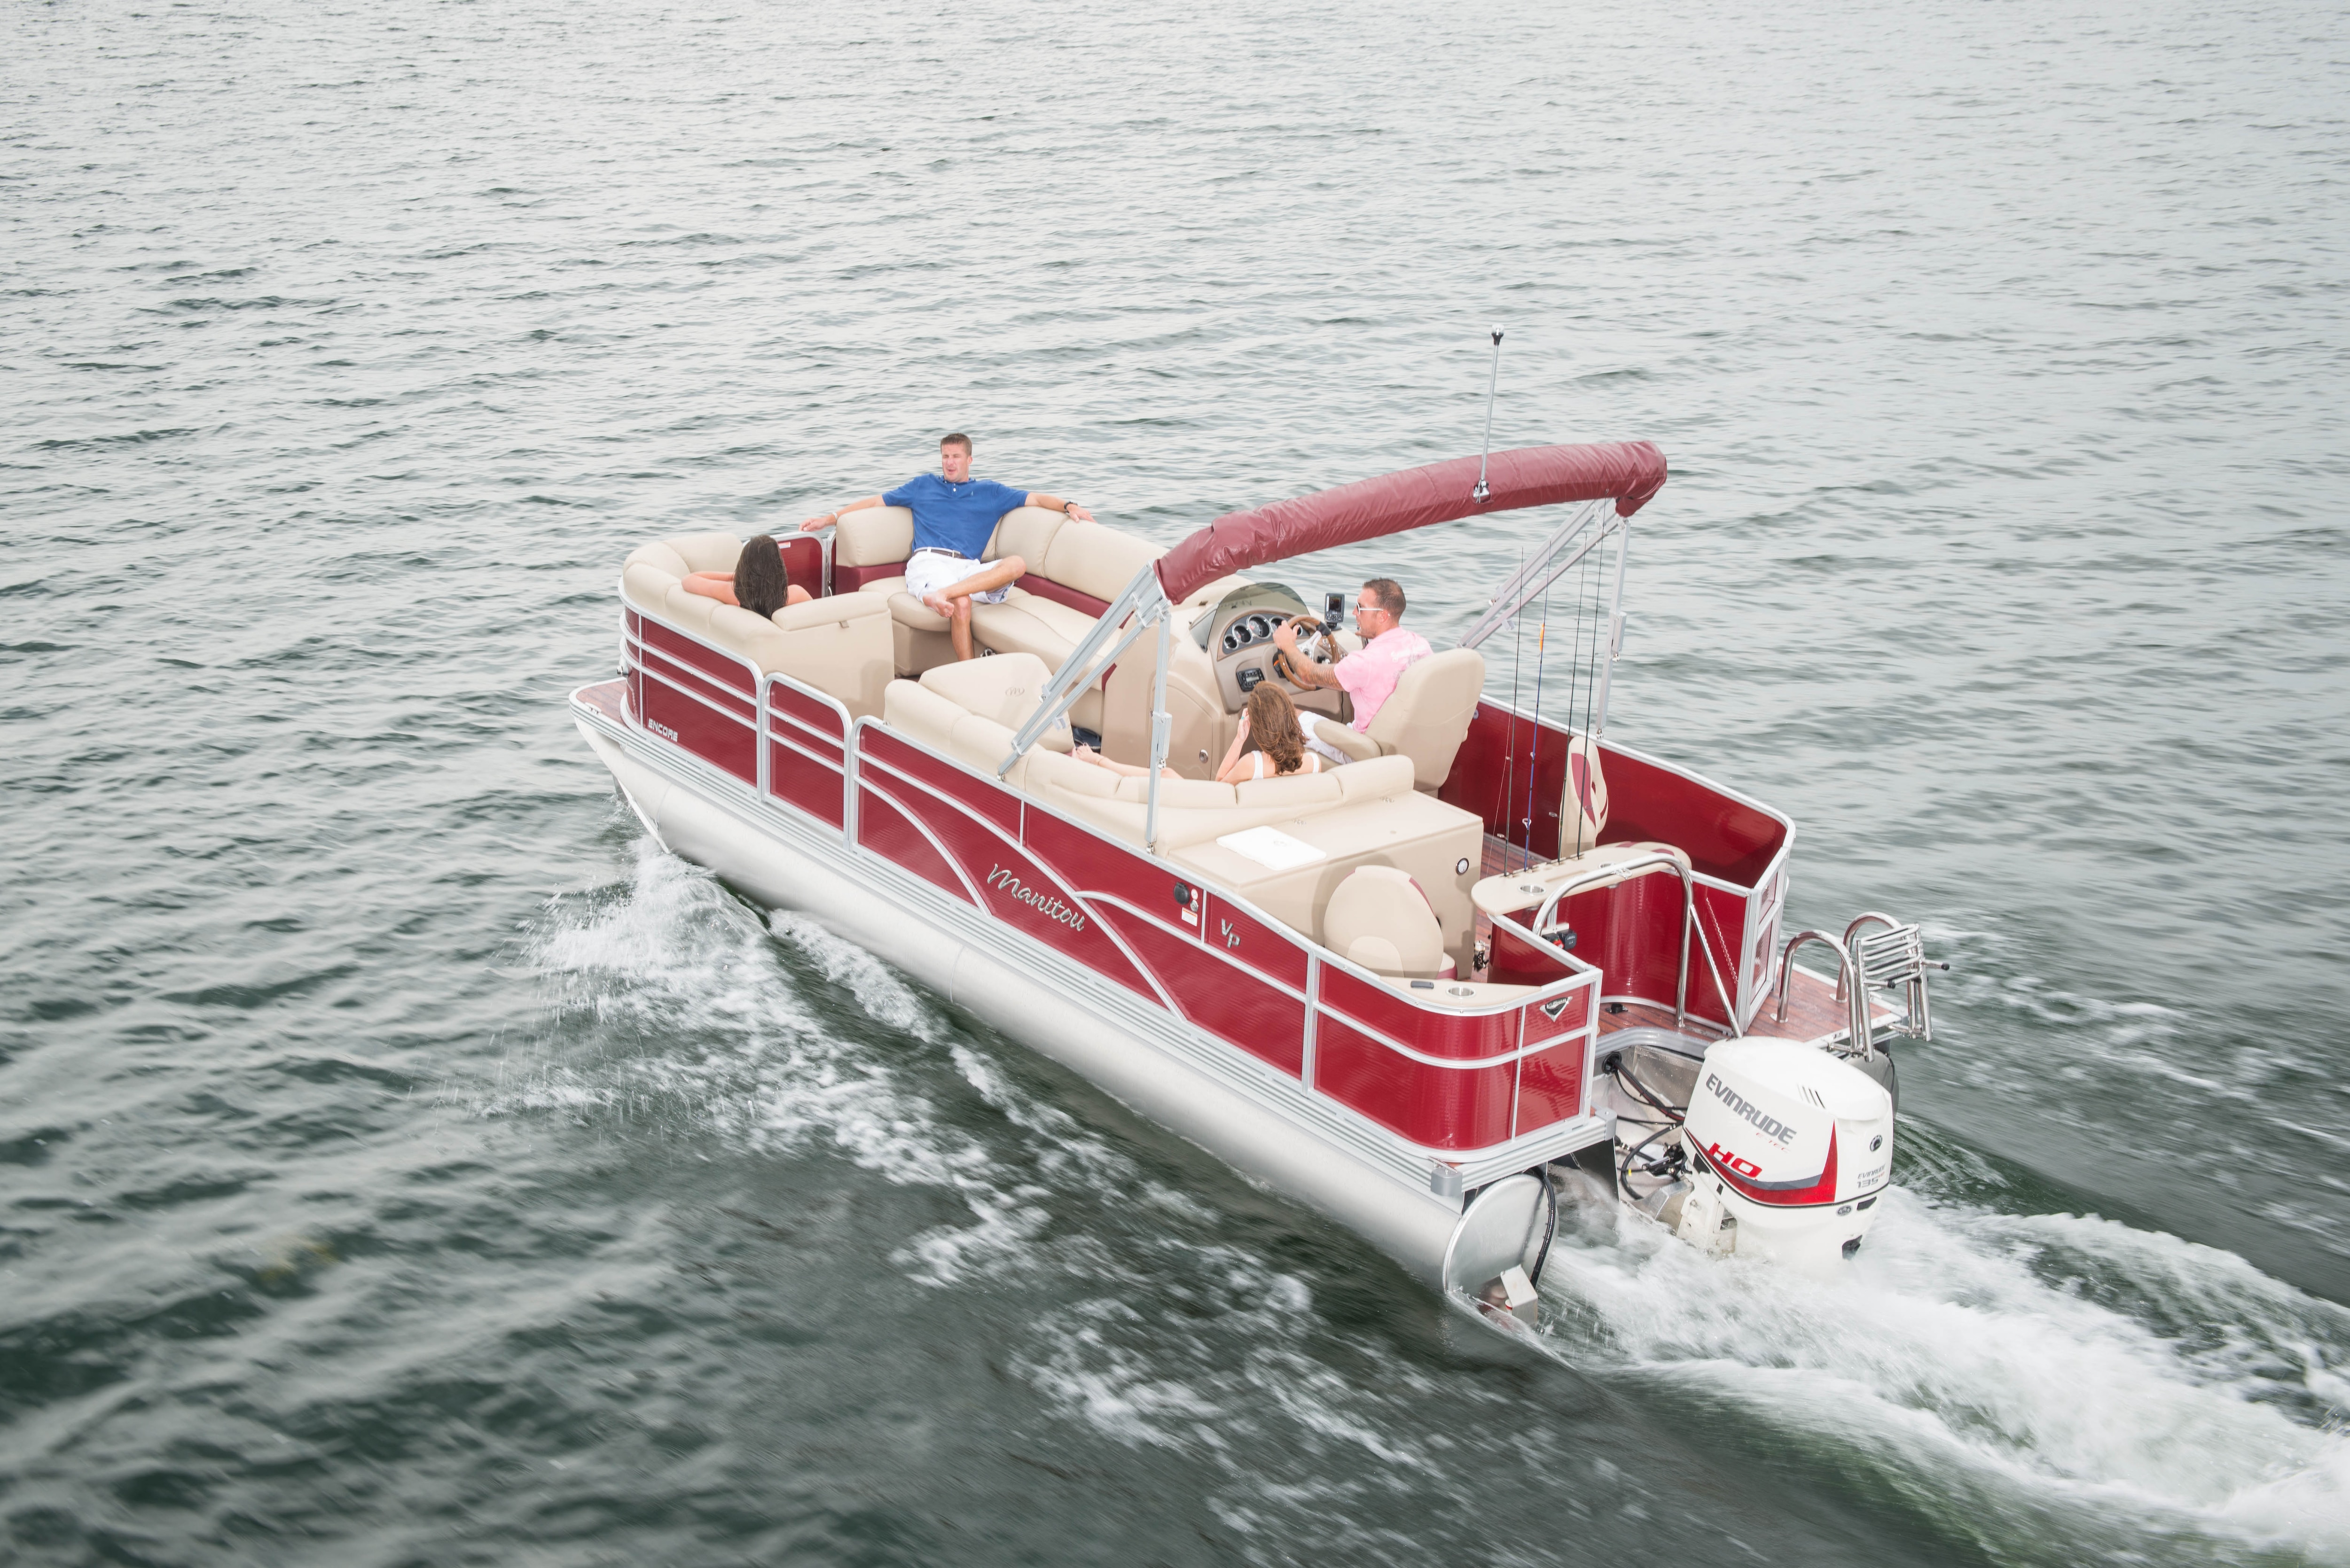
[
  {"x": 1378, "y": 918},
  {"x": 1426, "y": 718}
]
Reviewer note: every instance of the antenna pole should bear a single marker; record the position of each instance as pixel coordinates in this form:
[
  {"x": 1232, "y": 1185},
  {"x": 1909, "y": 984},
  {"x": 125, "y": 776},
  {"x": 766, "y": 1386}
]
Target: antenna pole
[{"x": 1492, "y": 382}]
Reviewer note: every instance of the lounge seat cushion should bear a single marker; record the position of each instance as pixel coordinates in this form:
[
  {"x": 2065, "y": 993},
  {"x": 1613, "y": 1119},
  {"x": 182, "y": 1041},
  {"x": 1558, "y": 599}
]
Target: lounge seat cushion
[
  {"x": 1030, "y": 623},
  {"x": 909, "y": 611},
  {"x": 839, "y": 646},
  {"x": 1437, "y": 845},
  {"x": 970, "y": 710},
  {"x": 1379, "y": 919},
  {"x": 1094, "y": 560},
  {"x": 874, "y": 537},
  {"x": 1193, "y": 811},
  {"x": 1005, "y": 687},
  {"x": 1026, "y": 532}
]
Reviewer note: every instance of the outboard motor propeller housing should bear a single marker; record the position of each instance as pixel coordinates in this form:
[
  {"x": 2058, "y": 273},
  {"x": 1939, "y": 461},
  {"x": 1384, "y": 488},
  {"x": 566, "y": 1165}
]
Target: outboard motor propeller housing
[{"x": 1789, "y": 1149}]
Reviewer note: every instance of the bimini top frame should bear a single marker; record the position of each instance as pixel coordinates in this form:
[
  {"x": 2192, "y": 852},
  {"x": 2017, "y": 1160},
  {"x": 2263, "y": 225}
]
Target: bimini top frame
[{"x": 1626, "y": 474}]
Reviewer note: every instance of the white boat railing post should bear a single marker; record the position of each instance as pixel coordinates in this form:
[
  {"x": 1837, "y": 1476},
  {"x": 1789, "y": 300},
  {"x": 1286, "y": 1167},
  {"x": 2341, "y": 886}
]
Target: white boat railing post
[
  {"x": 1160, "y": 724},
  {"x": 1069, "y": 682},
  {"x": 1614, "y": 627}
]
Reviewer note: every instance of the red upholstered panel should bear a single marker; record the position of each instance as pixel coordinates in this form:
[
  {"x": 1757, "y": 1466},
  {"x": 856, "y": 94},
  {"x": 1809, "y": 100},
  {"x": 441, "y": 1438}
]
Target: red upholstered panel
[
  {"x": 849, "y": 579},
  {"x": 1268, "y": 950},
  {"x": 725, "y": 668},
  {"x": 804, "y": 560},
  {"x": 1722, "y": 837},
  {"x": 1046, "y": 588},
  {"x": 993, "y": 801},
  {"x": 797, "y": 779},
  {"x": 730, "y": 743}
]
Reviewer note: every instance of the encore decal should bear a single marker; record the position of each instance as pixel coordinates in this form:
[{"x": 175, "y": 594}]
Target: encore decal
[{"x": 1045, "y": 904}]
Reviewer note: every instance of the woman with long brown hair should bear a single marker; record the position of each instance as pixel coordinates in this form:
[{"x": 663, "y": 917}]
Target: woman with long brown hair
[
  {"x": 1270, "y": 719},
  {"x": 759, "y": 583}
]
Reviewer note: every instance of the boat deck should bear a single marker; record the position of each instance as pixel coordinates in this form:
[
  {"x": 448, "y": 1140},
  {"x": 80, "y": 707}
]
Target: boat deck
[
  {"x": 1815, "y": 1013},
  {"x": 610, "y": 698}
]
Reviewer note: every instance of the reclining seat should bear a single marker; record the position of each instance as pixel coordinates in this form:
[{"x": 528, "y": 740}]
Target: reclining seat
[
  {"x": 1379, "y": 919},
  {"x": 1426, "y": 718}
]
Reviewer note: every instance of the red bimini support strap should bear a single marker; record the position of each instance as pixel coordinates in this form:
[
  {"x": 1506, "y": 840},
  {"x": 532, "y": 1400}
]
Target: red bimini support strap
[{"x": 1627, "y": 472}]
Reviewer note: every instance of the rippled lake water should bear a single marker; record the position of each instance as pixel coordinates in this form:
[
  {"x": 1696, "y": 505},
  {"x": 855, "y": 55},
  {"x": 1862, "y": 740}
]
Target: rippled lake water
[{"x": 401, "y": 1161}]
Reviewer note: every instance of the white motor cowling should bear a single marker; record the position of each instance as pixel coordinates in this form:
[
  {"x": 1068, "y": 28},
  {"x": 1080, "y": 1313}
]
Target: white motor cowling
[{"x": 1789, "y": 1148}]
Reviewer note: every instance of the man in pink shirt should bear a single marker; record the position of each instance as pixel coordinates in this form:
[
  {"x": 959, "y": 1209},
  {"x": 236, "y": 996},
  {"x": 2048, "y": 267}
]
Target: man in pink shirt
[{"x": 1367, "y": 675}]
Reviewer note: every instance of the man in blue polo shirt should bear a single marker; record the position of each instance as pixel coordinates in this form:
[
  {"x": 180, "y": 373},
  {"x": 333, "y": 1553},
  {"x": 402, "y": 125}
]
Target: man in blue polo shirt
[{"x": 953, "y": 516}]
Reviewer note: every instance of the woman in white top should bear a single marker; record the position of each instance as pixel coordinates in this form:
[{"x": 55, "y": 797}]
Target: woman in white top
[{"x": 1281, "y": 751}]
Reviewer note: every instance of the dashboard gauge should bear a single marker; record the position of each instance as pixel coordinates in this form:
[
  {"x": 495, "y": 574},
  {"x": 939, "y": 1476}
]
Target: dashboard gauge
[{"x": 1250, "y": 630}]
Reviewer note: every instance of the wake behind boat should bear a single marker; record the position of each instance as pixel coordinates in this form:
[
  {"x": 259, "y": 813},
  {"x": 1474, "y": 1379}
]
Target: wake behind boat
[{"x": 1419, "y": 992}]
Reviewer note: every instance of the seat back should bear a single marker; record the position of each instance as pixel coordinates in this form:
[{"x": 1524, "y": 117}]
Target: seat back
[
  {"x": 840, "y": 646},
  {"x": 1004, "y": 690},
  {"x": 1378, "y": 918},
  {"x": 1583, "y": 805},
  {"x": 1025, "y": 532},
  {"x": 1094, "y": 560},
  {"x": 877, "y": 536},
  {"x": 1427, "y": 716}
]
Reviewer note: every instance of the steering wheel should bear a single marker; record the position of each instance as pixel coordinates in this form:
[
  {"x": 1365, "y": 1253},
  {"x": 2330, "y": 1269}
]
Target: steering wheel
[{"x": 1314, "y": 640}]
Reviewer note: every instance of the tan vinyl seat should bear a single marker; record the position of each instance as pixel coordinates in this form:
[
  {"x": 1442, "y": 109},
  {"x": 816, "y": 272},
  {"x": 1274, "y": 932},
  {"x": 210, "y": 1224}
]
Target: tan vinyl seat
[
  {"x": 839, "y": 646},
  {"x": 1348, "y": 817},
  {"x": 1031, "y": 623},
  {"x": 876, "y": 536},
  {"x": 970, "y": 710},
  {"x": 1379, "y": 919},
  {"x": 1426, "y": 718},
  {"x": 1090, "y": 559},
  {"x": 1437, "y": 845},
  {"x": 1005, "y": 690},
  {"x": 884, "y": 537}
]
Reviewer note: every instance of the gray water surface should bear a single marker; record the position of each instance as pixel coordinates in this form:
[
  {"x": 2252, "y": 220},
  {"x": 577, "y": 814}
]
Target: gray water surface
[{"x": 402, "y": 1161}]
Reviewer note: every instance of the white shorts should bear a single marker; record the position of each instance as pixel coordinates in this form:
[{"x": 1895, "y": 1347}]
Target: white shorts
[
  {"x": 1306, "y": 722},
  {"x": 927, "y": 572}
]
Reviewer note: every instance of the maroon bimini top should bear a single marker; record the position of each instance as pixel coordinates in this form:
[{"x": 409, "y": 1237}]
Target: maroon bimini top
[{"x": 1627, "y": 472}]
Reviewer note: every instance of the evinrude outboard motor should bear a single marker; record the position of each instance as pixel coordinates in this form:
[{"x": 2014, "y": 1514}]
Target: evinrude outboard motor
[
  {"x": 1768, "y": 1147},
  {"x": 1788, "y": 1149}
]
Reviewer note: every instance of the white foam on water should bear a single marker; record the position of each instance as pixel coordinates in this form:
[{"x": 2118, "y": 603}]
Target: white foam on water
[
  {"x": 2081, "y": 1367},
  {"x": 2055, "y": 1358},
  {"x": 738, "y": 1051}
]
